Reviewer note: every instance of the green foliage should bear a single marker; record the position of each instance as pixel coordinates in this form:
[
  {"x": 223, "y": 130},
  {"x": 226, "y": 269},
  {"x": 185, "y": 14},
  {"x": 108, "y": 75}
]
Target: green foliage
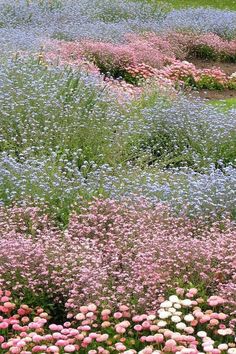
[
  {"x": 209, "y": 83},
  {"x": 204, "y": 52},
  {"x": 208, "y": 53},
  {"x": 226, "y": 4},
  {"x": 232, "y": 85},
  {"x": 110, "y": 68}
]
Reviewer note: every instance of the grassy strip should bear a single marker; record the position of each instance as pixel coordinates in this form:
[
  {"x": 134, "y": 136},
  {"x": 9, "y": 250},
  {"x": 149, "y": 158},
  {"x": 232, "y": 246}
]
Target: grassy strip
[
  {"x": 224, "y": 104},
  {"x": 226, "y": 4}
]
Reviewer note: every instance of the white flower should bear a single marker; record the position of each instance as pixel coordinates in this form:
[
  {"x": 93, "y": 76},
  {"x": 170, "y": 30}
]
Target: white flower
[
  {"x": 175, "y": 319},
  {"x": 223, "y": 346},
  {"x": 166, "y": 304},
  {"x": 177, "y": 306},
  {"x": 208, "y": 342},
  {"x": 176, "y": 335},
  {"x": 201, "y": 334},
  {"x": 162, "y": 323},
  {"x": 186, "y": 302},
  {"x": 172, "y": 310},
  {"x": 189, "y": 318},
  {"x": 151, "y": 317},
  {"x": 228, "y": 331},
  {"x": 233, "y": 76},
  {"x": 181, "y": 325},
  {"x": 208, "y": 348},
  {"x": 164, "y": 314},
  {"x": 232, "y": 351},
  {"x": 174, "y": 299}
]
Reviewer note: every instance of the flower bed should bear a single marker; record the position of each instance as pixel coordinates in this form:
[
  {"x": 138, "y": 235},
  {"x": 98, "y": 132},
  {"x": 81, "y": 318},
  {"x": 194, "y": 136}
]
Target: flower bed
[
  {"x": 115, "y": 253},
  {"x": 117, "y": 191},
  {"x": 142, "y": 55},
  {"x": 185, "y": 324}
]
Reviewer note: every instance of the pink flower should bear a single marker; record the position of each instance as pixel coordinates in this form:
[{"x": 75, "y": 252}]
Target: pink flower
[
  {"x": 123, "y": 308},
  {"x": 120, "y": 329},
  {"x": 106, "y": 312},
  {"x": 120, "y": 347},
  {"x": 15, "y": 350},
  {"x": 87, "y": 340},
  {"x": 4, "y": 299},
  {"x": 150, "y": 339},
  {"x": 138, "y": 328},
  {"x": 102, "y": 338},
  {"x": 61, "y": 342},
  {"x": 53, "y": 349},
  {"x": 193, "y": 291},
  {"x": 159, "y": 337},
  {"x": 84, "y": 309},
  {"x": 117, "y": 315},
  {"x": 92, "y": 307},
  {"x": 69, "y": 348},
  {"x": 3, "y": 325}
]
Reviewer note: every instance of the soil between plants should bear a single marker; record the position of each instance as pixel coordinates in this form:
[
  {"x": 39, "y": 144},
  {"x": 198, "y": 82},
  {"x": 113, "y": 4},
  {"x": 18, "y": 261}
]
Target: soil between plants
[{"x": 228, "y": 68}]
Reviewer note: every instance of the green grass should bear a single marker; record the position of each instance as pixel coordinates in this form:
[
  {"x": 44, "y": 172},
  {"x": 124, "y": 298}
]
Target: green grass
[
  {"x": 221, "y": 4},
  {"x": 225, "y": 4},
  {"x": 225, "y": 104}
]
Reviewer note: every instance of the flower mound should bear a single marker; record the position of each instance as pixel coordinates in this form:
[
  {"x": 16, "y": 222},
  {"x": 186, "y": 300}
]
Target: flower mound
[
  {"x": 185, "y": 323},
  {"x": 115, "y": 253},
  {"x": 140, "y": 57}
]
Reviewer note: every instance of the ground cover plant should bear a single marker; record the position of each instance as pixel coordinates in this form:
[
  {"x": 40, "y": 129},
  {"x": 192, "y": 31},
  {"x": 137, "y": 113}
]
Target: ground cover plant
[{"x": 117, "y": 180}]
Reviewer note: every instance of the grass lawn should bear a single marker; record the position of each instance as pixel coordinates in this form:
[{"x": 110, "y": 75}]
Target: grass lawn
[
  {"x": 225, "y": 104},
  {"x": 221, "y": 4}
]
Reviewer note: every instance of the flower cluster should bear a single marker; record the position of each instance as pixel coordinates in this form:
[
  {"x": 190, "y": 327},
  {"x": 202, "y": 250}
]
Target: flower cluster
[
  {"x": 142, "y": 55},
  {"x": 210, "y": 194},
  {"x": 114, "y": 60},
  {"x": 212, "y": 46},
  {"x": 111, "y": 60},
  {"x": 155, "y": 49},
  {"x": 201, "y": 20},
  {"x": 88, "y": 137},
  {"x": 92, "y": 260},
  {"x": 183, "y": 72},
  {"x": 184, "y": 323},
  {"x": 25, "y": 25}
]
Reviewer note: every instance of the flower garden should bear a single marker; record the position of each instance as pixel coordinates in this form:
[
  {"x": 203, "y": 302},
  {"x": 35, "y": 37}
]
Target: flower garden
[{"x": 117, "y": 177}]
